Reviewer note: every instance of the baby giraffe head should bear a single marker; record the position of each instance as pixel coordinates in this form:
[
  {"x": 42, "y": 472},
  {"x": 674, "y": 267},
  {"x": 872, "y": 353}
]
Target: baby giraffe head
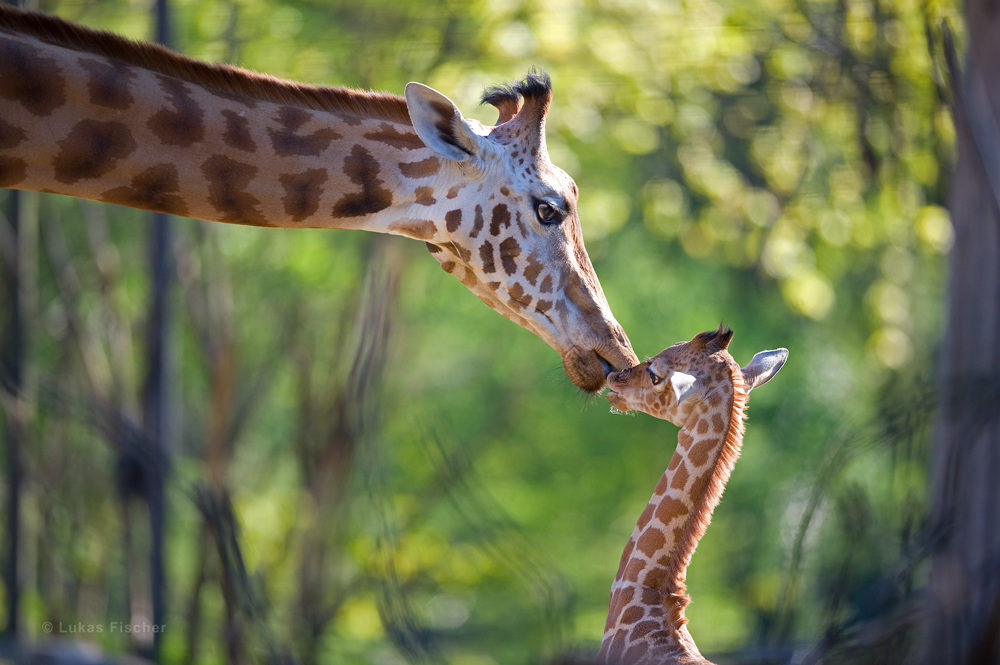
[{"x": 670, "y": 384}]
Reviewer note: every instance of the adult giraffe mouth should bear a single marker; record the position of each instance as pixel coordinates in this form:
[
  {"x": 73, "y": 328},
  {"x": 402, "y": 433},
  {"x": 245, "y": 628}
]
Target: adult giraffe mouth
[{"x": 587, "y": 368}]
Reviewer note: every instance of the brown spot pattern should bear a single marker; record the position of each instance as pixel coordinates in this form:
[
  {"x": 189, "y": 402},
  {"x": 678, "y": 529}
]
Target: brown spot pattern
[
  {"x": 302, "y": 192},
  {"x": 644, "y": 628},
  {"x": 546, "y": 286},
  {"x": 453, "y": 191},
  {"x": 477, "y": 224},
  {"x": 684, "y": 440},
  {"x": 680, "y": 477},
  {"x": 702, "y": 427},
  {"x": 632, "y": 570},
  {"x": 617, "y": 647},
  {"x": 647, "y": 514},
  {"x": 543, "y": 306},
  {"x": 632, "y": 614},
  {"x": 651, "y": 541},
  {"x": 10, "y": 136},
  {"x": 461, "y": 251},
  {"x": 661, "y": 486},
  {"x": 155, "y": 188},
  {"x": 185, "y": 124},
  {"x": 422, "y": 169},
  {"x": 655, "y": 577},
  {"x": 634, "y": 653},
  {"x": 674, "y": 461},
  {"x": 486, "y": 255},
  {"x": 520, "y": 225},
  {"x": 91, "y": 149},
  {"x": 717, "y": 425},
  {"x": 363, "y": 170},
  {"x": 425, "y": 196},
  {"x": 232, "y": 97},
  {"x": 452, "y": 220},
  {"x": 532, "y": 269},
  {"x": 509, "y": 251},
  {"x": 669, "y": 509},
  {"x": 227, "y": 184},
  {"x": 287, "y": 141},
  {"x": 237, "y": 134},
  {"x": 501, "y": 217},
  {"x": 421, "y": 229},
  {"x": 108, "y": 83},
  {"x": 389, "y": 135},
  {"x": 700, "y": 451},
  {"x": 518, "y": 298},
  {"x": 30, "y": 78},
  {"x": 12, "y": 171}
]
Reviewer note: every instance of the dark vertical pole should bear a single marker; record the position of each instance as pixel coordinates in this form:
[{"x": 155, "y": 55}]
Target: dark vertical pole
[
  {"x": 13, "y": 365},
  {"x": 13, "y": 362},
  {"x": 156, "y": 391}
]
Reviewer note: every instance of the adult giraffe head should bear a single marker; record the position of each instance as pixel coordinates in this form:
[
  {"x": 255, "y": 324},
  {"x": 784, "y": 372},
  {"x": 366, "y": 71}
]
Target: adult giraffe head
[{"x": 511, "y": 229}]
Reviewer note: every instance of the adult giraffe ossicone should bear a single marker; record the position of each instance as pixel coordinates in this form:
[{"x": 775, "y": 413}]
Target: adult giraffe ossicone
[
  {"x": 697, "y": 386},
  {"x": 97, "y": 116}
]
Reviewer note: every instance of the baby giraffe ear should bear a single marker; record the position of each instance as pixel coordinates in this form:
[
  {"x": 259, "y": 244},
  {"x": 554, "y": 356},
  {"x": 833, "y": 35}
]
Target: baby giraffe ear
[
  {"x": 683, "y": 385},
  {"x": 440, "y": 124},
  {"x": 763, "y": 366}
]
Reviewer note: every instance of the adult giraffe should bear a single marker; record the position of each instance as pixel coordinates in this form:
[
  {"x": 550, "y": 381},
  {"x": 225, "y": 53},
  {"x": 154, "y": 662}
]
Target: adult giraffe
[{"x": 97, "y": 116}]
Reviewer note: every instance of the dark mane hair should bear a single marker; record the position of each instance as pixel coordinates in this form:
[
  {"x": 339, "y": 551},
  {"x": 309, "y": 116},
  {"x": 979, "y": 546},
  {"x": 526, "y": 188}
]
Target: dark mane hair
[
  {"x": 221, "y": 78},
  {"x": 535, "y": 85},
  {"x": 720, "y": 337}
]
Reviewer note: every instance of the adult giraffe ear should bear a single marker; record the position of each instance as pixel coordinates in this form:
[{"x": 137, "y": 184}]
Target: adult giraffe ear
[
  {"x": 683, "y": 385},
  {"x": 440, "y": 124},
  {"x": 763, "y": 366}
]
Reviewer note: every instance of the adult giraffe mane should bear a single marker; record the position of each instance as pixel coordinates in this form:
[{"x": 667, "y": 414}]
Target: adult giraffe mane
[{"x": 220, "y": 78}]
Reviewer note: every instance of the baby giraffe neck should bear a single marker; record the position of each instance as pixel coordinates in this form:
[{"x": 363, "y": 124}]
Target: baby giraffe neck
[{"x": 646, "y": 622}]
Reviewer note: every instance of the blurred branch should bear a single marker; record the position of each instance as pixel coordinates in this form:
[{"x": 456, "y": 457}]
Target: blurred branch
[
  {"x": 105, "y": 259},
  {"x": 95, "y": 365},
  {"x": 243, "y": 592}
]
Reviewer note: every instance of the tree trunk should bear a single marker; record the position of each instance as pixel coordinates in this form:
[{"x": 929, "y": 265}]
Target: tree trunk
[{"x": 963, "y": 610}]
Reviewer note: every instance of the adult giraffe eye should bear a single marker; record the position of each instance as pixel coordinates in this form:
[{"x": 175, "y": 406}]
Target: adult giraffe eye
[
  {"x": 548, "y": 213},
  {"x": 657, "y": 380}
]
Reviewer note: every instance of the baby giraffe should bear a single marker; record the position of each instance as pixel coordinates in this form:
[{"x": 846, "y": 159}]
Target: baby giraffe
[{"x": 699, "y": 387}]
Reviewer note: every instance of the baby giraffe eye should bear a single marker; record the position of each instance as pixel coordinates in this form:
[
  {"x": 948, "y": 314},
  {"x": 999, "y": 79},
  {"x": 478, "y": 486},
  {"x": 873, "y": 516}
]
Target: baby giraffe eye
[
  {"x": 548, "y": 213},
  {"x": 653, "y": 377}
]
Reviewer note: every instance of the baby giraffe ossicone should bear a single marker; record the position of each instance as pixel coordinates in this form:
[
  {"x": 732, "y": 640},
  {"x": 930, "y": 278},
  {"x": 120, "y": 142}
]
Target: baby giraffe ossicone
[{"x": 697, "y": 386}]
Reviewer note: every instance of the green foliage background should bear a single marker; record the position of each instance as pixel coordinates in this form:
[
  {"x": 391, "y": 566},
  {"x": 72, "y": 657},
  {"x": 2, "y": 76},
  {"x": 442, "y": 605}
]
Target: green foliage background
[{"x": 778, "y": 165}]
